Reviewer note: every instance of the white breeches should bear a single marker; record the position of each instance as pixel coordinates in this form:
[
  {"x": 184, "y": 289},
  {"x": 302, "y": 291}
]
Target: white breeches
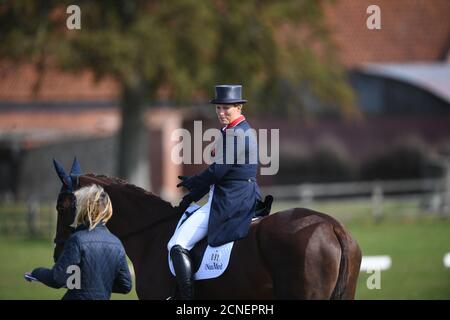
[{"x": 194, "y": 228}]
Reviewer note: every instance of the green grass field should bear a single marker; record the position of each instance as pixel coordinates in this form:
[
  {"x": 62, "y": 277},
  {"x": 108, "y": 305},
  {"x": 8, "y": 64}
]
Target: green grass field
[
  {"x": 19, "y": 255},
  {"x": 417, "y": 249},
  {"x": 416, "y": 243}
]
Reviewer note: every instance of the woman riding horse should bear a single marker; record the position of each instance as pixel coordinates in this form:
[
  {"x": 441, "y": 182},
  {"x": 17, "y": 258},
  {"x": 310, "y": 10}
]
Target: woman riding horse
[{"x": 232, "y": 187}]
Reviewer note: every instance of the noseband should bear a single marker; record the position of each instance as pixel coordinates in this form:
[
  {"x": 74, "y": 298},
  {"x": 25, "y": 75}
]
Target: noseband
[{"x": 60, "y": 208}]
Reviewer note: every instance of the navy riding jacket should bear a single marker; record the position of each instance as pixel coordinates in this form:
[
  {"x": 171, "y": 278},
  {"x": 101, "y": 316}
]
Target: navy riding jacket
[
  {"x": 235, "y": 187},
  {"x": 101, "y": 259}
]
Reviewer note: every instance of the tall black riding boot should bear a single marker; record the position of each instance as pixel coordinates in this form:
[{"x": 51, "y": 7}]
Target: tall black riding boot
[{"x": 182, "y": 264}]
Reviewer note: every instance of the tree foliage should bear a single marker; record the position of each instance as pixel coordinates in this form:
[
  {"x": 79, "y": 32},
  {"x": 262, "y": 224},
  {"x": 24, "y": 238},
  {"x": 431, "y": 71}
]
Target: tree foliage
[
  {"x": 177, "y": 50},
  {"x": 279, "y": 50}
]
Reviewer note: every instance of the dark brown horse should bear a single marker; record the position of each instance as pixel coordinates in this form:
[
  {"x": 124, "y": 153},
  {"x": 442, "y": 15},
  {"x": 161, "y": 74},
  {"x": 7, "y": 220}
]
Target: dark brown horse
[{"x": 292, "y": 254}]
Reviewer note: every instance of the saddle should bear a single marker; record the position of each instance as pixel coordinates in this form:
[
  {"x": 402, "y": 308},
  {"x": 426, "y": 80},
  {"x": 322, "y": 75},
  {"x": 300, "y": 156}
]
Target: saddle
[{"x": 262, "y": 209}]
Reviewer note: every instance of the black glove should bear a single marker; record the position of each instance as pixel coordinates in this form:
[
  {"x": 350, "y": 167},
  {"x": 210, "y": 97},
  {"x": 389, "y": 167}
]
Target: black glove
[
  {"x": 185, "y": 203},
  {"x": 182, "y": 178},
  {"x": 185, "y": 182}
]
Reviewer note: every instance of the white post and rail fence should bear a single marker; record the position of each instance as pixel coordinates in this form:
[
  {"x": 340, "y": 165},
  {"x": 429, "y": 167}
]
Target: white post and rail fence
[{"x": 437, "y": 192}]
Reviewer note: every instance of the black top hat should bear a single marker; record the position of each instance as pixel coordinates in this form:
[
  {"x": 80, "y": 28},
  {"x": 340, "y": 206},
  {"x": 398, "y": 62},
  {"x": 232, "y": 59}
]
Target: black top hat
[{"x": 228, "y": 94}]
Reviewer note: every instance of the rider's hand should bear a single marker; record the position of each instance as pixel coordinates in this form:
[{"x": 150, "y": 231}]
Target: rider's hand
[
  {"x": 185, "y": 203},
  {"x": 185, "y": 182}
]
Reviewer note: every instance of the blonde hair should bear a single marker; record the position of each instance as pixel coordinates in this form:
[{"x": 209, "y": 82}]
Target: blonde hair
[{"x": 93, "y": 206}]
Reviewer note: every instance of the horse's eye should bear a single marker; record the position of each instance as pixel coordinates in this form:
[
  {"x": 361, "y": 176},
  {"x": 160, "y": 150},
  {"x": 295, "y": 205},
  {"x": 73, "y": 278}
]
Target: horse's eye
[
  {"x": 61, "y": 207},
  {"x": 65, "y": 202}
]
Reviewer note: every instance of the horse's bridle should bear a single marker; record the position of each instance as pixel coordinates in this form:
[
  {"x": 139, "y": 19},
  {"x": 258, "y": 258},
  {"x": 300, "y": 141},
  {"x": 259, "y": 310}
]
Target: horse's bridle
[
  {"x": 75, "y": 185},
  {"x": 59, "y": 208}
]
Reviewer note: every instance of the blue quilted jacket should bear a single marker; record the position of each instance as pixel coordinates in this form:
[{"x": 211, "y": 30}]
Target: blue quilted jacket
[{"x": 102, "y": 262}]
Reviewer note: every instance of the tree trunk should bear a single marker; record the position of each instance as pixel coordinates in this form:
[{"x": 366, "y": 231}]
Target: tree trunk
[{"x": 134, "y": 153}]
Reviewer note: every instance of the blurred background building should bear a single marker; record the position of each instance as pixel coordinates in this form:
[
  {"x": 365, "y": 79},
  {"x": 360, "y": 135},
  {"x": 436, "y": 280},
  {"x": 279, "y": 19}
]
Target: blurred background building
[
  {"x": 399, "y": 75},
  {"x": 363, "y": 116}
]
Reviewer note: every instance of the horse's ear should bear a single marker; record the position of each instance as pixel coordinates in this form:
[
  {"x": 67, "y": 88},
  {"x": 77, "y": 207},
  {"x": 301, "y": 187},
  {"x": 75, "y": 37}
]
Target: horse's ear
[
  {"x": 65, "y": 179},
  {"x": 76, "y": 168}
]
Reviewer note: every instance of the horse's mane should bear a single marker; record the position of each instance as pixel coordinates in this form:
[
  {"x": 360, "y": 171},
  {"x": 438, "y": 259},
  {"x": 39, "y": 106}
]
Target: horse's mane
[{"x": 123, "y": 184}]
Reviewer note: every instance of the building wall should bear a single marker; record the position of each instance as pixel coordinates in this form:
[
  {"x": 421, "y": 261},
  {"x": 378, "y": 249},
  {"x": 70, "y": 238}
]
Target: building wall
[
  {"x": 379, "y": 95},
  {"x": 37, "y": 177}
]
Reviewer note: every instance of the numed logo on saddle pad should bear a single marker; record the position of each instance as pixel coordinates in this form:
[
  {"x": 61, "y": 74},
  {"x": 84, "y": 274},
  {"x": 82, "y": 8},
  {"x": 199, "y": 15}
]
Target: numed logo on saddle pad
[{"x": 215, "y": 259}]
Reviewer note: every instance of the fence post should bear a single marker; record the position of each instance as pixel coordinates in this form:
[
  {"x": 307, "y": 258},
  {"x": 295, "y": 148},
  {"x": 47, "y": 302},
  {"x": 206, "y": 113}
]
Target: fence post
[
  {"x": 377, "y": 202},
  {"x": 33, "y": 216},
  {"x": 306, "y": 195},
  {"x": 51, "y": 228},
  {"x": 445, "y": 212}
]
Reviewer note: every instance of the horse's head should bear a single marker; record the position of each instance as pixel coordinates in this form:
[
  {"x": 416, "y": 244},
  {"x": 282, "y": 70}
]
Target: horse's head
[{"x": 65, "y": 204}]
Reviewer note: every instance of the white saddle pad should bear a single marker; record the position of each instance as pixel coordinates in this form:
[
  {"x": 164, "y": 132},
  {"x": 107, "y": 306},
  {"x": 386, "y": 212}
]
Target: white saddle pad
[{"x": 215, "y": 259}]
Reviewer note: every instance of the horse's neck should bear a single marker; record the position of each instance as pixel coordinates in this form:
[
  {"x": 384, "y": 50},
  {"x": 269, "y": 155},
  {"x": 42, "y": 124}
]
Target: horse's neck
[
  {"x": 142, "y": 247},
  {"x": 139, "y": 217},
  {"x": 132, "y": 216},
  {"x": 143, "y": 226}
]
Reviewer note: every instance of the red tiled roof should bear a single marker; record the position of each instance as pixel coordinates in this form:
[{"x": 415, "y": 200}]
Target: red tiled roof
[
  {"x": 17, "y": 83},
  {"x": 44, "y": 126},
  {"x": 410, "y": 30},
  {"x": 41, "y": 127}
]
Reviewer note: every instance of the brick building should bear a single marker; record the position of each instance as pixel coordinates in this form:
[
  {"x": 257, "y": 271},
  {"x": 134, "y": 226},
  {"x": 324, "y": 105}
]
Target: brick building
[{"x": 63, "y": 115}]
